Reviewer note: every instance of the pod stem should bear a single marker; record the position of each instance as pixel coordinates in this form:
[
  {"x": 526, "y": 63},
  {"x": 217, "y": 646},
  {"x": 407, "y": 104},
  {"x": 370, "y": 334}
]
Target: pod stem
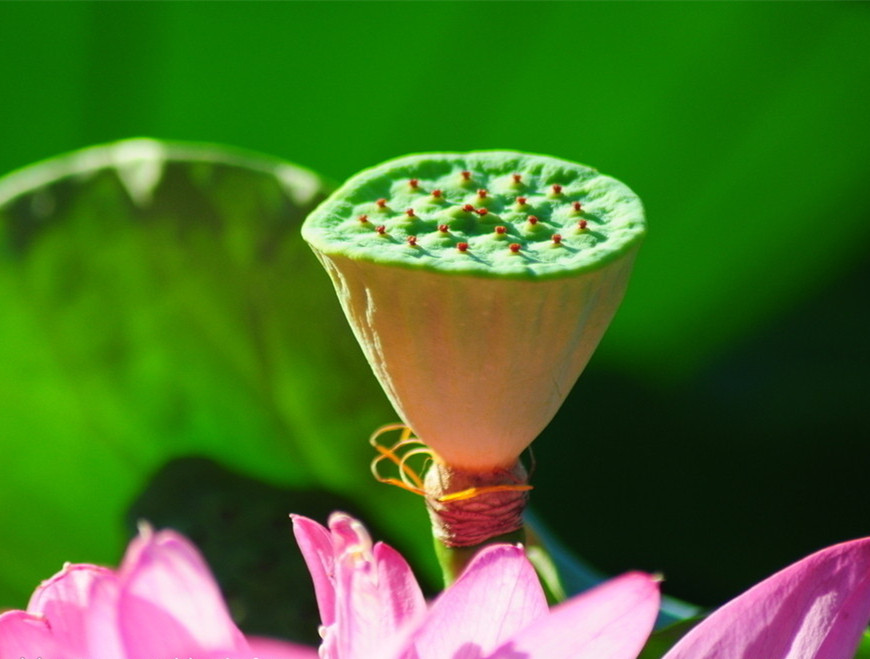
[{"x": 472, "y": 509}]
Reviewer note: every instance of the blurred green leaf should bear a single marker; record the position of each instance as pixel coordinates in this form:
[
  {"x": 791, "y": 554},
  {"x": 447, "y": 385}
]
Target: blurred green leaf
[{"x": 157, "y": 301}]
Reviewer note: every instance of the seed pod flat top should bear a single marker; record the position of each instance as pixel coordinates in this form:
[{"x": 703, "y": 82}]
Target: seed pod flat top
[{"x": 486, "y": 213}]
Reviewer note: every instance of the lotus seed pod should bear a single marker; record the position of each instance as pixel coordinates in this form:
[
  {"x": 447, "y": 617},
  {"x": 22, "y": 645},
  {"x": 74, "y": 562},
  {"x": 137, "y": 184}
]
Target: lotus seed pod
[{"x": 484, "y": 295}]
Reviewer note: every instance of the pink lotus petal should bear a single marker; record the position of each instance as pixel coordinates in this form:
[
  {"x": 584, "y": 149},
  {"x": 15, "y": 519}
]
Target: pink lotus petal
[
  {"x": 169, "y": 604},
  {"x": 65, "y": 600},
  {"x": 401, "y": 600},
  {"x": 817, "y": 608},
  {"x": 270, "y": 648},
  {"x": 102, "y": 625},
  {"x": 315, "y": 543},
  {"x": 377, "y": 598},
  {"x": 23, "y": 634},
  {"x": 365, "y": 594},
  {"x": 611, "y": 621},
  {"x": 497, "y": 596}
]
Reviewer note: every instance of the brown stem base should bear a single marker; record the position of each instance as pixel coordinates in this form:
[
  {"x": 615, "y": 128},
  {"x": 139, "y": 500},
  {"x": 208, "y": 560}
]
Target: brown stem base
[{"x": 470, "y": 521}]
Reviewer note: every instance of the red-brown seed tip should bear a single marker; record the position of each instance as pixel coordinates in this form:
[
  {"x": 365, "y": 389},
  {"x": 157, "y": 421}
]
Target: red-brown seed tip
[
  {"x": 382, "y": 203},
  {"x": 436, "y": 193},
  {"x": 412, "y": 240},
  {"x": 442, "y": 228},
  {"x": 500, "y": 230},
  {"x": 557, "y": 239},
  {"x": 577, "y": 206},
  {"x": 514, "y": 247},
  {"x": 468, "y": 208},
  {"x": 517, "y": 178},
  {"x": 521, "y": 201},
  {"x": 582, "y": 224},
  {"x": 363, "y": 219},
  {"x": 482, "y": 211},
  {"x": 533, "y": 219},
  {"x": 410, "y": 212},
  {"x": 381, "y": 229},
  {"x": 557, "y": 189},
  {"x": 462, "y": 247},
  {"x": 414, "y": 182},
  {"x": 481, "y": 193},
  {"x": 466, "y": 175}
]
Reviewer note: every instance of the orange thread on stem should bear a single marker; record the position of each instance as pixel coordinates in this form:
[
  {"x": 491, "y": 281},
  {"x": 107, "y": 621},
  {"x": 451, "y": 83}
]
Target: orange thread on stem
[{"x": 409, "y": 478}]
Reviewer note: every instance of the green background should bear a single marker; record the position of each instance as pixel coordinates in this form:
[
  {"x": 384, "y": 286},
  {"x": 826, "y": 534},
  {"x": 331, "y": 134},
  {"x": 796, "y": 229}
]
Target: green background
[{"x": 720, "y": 431}]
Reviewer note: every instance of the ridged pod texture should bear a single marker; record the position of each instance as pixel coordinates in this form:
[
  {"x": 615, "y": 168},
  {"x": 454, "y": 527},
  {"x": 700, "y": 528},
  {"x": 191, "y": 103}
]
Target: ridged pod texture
[{"x": 477, "y": 347}]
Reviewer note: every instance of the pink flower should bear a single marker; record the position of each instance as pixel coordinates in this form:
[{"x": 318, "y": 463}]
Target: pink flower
[
  {"x": 161, "y": 603},
  {"x": 817, "y": 608},
  {"x": 371, "y": 606}
]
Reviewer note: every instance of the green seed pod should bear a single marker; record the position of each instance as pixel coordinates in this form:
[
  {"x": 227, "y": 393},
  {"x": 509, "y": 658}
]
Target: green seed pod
[{"x": 484, "y": 294}]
